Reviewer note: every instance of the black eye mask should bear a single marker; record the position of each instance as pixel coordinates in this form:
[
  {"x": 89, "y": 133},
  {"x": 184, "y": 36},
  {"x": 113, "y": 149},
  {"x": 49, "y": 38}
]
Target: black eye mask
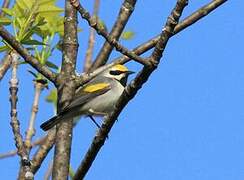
[{"x": 116, "y": 72}]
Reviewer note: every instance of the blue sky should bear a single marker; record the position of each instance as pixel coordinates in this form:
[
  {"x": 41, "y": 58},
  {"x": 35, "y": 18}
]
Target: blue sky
[{"x": 186, "y": 123}]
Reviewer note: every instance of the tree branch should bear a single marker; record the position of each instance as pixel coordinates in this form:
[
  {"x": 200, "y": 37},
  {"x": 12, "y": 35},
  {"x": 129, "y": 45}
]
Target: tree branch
[
  {"x": 188, "y": 21},
  {"x": 89, "y": 52},
  {"x": 5, "y": 65},
  {"x": 66, "y": 91},
  {"x": 129, "y": 92},
  {"x": 21, "y": 150},
  {"x": 30, "y": 132},
  {"x": 118, "y": 27},
  {"x": 14, "y": 152},
  {"x": 26, "y": 56},
  {"x": 93, "y": 22},
  {"x": 43, "y": 150}
]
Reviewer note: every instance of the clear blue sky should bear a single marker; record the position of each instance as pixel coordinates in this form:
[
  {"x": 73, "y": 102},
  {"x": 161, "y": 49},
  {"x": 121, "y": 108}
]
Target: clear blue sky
[{"x": 187, "y": 123}]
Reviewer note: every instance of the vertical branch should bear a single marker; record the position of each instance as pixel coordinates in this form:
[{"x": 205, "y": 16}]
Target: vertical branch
[
  {"x": 66, "y": 90},
  {"x": 91, "y": 42},
  {"x": 31, "y": 128},
  {"x": 21, "y": 150},
  {"x": 118, "y": 27}
]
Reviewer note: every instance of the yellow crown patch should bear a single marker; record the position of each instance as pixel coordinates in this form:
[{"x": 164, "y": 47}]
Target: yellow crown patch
[
  {"x": 95, "y": 87},
  {"x": 120, "y": 67}
]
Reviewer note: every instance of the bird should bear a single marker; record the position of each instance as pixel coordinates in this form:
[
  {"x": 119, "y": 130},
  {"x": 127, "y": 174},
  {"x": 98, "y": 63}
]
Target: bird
[{"x": 96, "y": 98}]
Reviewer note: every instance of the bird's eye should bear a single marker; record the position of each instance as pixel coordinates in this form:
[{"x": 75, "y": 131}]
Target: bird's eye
[{"x": 115, "y": 72}]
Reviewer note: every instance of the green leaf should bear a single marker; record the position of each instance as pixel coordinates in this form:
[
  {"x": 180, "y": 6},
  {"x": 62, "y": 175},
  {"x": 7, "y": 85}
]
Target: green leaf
[
  {"x": 3, "y": 48},
  {"x": 7, "y": 11},
  {"x": 34, "y": 74},
  {"x": 5, "y": 21},
  {"x": 32, "y": 42},
  {"x": 52, "y": 97},
  {"x": 101, "y": 24},
  {"x": 51, "y": 65},
  {"x": 127, "y": 35}
]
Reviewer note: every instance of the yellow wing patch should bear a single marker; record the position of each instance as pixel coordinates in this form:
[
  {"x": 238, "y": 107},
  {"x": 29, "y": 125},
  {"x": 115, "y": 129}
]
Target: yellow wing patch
[
  {"x": 95, "y": 87},
  {"x": 120, "y": 67}
]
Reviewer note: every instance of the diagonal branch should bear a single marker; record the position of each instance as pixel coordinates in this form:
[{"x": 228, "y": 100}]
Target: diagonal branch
[
  {"x": 5, "y": 65},
  {"x": 25, "y": 54},
  {"x": 43, "y": 150},
  {"x": 126, "y": 10},
  {"x": 129, "y": 93},
  {"x": 14, "y": 152},
  {"x": 93, "y": 22},
  {"x": 188, "y": 21},
  {"x": 91, "y": 41}
]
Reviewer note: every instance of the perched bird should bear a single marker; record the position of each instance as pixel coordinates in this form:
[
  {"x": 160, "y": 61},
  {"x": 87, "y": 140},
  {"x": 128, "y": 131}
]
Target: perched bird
[{"x": 95, "y": 98}]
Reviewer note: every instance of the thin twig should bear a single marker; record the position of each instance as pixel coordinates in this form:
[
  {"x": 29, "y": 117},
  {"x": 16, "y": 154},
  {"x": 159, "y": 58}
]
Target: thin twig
[
  {"x": 5, "y": 65},
  {"x": 128, "y": 94},
  {"x": 30, "y": 132},
  {"x": 124, "y": 14},
  {"x": 14, "y": 152},
  {"x": 91, "y": 41},
  {"x": 21, "y": 150},
  {"x": 43, "y": 150},
  {"x": 93, "y": 22},
  {"x": 26, "y": 56}
]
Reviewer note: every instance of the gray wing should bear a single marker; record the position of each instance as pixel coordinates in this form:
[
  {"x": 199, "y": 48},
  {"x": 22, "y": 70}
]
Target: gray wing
[{"x": 81, "y": 97}]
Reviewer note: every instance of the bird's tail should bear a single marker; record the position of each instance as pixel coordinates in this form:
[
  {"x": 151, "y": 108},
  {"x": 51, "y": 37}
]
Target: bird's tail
[{"x": 51, "y": 122}]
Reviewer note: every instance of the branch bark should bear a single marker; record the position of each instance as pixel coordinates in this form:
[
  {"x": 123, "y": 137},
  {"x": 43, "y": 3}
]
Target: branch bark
[
  {"x": 130, "y": 91},
  {"x": 93, "y": 22},
  {"x": 66, "y": 90},
  {"x": 140, "y": 49},
  {"x": 5, "y": 65},
  {"x": 30, "y": 132},
  {"x": 26, "y": 56},
  {"x": 125, "y": 11},
  {"x": 91, "y": 41},
  {"x": 25, "y": 172}
]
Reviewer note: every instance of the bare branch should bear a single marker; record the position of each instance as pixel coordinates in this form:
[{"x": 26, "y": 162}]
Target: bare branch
[
  {"x": 188, "y": 21},
  {"x": 89, "y": 52},
  {"x": 5, "y": 65},
  {"x": 21, "y": 150},
  {"x": 66, "y": 91},
  {"x": 14, "y": 152},
  {"x": 129, "y": 92},
  {"x": 118, "y": 27},
  {"x": 194, "y": 17},
  {"x": 93, "y": 22},
  {"x": 43, "y": 150},
  {"x": 31, "y": 128},
  {"x": 25, "y": 54}
]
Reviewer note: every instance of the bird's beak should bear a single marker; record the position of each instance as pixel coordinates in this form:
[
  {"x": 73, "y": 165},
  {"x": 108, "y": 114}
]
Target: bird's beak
[{"x": 130, "y": 72}]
